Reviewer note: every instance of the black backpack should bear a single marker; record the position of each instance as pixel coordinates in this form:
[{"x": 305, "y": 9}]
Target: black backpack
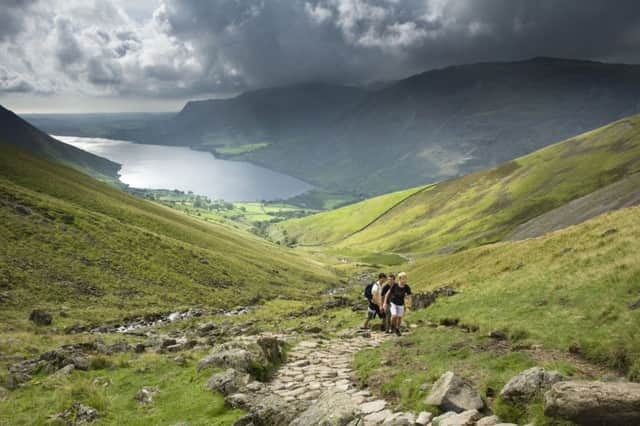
[{"x": 368, "y": 291}]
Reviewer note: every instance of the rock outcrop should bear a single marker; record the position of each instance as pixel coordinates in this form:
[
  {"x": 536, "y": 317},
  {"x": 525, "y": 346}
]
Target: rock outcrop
[
  {"x": 452, "y": 393},
  {"x": 529, "y": 383},
  {"x": 78, "y": 414},
  {"x": 39, "y": 317},
  {"x": 228, "y": 382},
  {"x": 594, "y": 403},
  {"x": 256, "y": 355}
]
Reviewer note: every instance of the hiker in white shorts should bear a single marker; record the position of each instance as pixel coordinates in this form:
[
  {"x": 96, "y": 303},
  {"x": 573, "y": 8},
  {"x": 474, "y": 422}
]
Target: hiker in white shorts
[{"x": 395, "y": 299}]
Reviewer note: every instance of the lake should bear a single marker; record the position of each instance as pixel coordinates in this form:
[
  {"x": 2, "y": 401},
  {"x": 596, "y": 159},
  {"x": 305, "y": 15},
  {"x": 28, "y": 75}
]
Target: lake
[{"x": 170, "y": 167}]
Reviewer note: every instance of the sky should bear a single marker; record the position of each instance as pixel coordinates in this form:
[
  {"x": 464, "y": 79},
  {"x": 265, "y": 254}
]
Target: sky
[{"x": 154, "y": 55}]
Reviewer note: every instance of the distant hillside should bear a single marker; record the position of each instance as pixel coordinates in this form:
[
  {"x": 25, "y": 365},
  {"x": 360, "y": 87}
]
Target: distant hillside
[
  {"x": 484, "y": 206},
  {"x": 429, "y": 127},
  {"x": 17, "y": 132},
  {"x": 69, "y": 239}
]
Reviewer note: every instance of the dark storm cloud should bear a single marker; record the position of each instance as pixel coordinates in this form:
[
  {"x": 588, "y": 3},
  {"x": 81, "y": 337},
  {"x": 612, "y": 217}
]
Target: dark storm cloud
[
  {"x": 189, "y": 48},
  {"x": 280, "y": 42}
]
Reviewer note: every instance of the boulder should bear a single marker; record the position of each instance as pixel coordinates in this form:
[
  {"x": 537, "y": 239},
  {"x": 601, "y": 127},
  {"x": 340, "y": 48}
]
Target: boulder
[
  {"x": 373, "y": 406},
  {"x": 378, "y": 418},
  {"x": 65, "y": 371},
  {"x": 436, "y": 420},
  {"x": 227, "y": 382},
  {"x": 424, "y": 418},
  {"x": 452, "y": 393},
  {"x": 257, "y": 356},
  {"x": 466, "y": 418},
  {"x": 270, "y": 410},
  {"x": 237, "y": 400},
  {"x": 39, "y": 317},
  {"x": 331, "y": 409},
  {"x": 78, "y": 414},
  {"x": 594, "y": 403},
  {"x": 488, "y": 421},
  {"x": 400, "y": 419},
  {"x": 146, "y": 394},
  {"x": 498, "y": 335},
  {"x": 527, "y": 384}
]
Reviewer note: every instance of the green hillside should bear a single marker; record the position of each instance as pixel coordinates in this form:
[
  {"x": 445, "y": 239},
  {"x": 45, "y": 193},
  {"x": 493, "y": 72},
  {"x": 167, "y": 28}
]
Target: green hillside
[
  {"x": 69, "y": 239},
  {"x": 15, "y": 131},
  {"x": 565, "y": 301},
  {"x": 481, "y": 207},
  {"x": 335, "y": 225}
]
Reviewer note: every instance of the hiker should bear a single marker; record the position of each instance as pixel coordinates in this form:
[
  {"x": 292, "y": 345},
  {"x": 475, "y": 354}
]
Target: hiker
[
  {"x": 386, "y": 312},
  {"x": 372, "y": 293},
  {"x": 395, "y": 299}
]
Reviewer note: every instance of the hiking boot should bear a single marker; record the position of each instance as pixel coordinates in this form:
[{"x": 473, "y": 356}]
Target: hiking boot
[{"x": 398, "y": 332}]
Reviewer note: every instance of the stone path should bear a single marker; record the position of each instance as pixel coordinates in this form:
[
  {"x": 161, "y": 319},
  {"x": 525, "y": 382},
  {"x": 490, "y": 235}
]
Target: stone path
[{"x": 315, "y": 366}]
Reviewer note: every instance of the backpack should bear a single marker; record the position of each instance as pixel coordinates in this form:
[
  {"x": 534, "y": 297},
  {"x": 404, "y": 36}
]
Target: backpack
[{"x": 368, "y": 292}]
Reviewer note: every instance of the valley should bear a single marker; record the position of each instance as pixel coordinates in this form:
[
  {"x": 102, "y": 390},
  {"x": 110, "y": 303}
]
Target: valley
[
  {"x": 319, "y": 213},
  {"x": 137, "y": 291}
]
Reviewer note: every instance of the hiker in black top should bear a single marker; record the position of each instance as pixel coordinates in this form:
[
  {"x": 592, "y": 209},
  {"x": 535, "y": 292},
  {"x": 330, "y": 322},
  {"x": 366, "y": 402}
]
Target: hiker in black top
[
  {"x": 384, "y": 310},
  {"x": 395, "y": 299},
  {"x": 372, "y": 293}
]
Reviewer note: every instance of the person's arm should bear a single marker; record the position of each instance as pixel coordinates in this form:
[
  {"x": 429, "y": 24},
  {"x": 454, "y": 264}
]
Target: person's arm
[
  {"x": 375, "y": 292},
  {"x": 386, "y": 297}
]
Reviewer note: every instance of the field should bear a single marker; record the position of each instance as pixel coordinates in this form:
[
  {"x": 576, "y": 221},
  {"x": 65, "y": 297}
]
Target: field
[{"x": 250, "y": 216}]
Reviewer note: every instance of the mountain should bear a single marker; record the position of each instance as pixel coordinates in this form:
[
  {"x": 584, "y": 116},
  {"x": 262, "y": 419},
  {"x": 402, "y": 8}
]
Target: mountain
[
  {"x": 432, "y": 126},
  {"x": 484, "y": 206},
  {"x": 17, "y": 132},
  {"x": 267, "y": 115}
]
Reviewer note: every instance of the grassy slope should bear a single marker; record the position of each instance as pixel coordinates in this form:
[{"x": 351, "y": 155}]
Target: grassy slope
[
  {"x": 484, "y": 206},
  {"x": 334, "y": 225},
  {"x": 623, "y": 193},
  {"x": 122, "y": 254},
  {"x": 570, "y": 288}
]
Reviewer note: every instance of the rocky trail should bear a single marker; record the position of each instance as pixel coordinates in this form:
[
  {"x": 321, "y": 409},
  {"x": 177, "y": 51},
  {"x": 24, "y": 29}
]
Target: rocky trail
[{"x": 316, "y": 386}]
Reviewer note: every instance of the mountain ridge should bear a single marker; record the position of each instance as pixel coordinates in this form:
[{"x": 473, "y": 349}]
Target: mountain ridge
[{"x": 18, "y": 132}]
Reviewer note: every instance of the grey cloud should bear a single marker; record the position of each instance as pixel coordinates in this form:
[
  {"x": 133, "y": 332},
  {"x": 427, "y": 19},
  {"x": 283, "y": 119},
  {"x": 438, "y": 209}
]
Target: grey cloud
[
  {"x": 12, "y": 18},
  {"x": 13, "y": 83},
  {"x": 102, "y": 72},
  {"x": 188, "y": 48},
  {"x": 68, "y": 51}
]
